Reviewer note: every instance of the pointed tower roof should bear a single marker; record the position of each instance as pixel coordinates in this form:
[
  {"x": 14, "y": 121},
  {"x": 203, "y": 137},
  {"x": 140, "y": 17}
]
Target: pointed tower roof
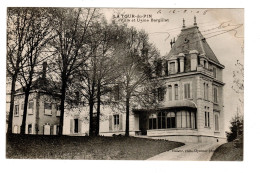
[{"x": 189, "y": 39}]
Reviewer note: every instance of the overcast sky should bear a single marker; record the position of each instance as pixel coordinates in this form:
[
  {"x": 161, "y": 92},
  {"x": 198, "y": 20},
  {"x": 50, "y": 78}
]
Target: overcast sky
[{"x": 223, "y": 29}]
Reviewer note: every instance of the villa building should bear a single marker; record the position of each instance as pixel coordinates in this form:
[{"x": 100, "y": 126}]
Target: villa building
[{"x": 191, "y": 107}]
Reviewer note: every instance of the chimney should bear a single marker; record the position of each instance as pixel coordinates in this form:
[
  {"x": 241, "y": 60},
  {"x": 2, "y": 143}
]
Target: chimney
[
  {"x": 195, "y": 23},
  {"x": 172, "y": 42},
  {"x": 44, "y": 67},
  {"x": 183, "y": 26}
]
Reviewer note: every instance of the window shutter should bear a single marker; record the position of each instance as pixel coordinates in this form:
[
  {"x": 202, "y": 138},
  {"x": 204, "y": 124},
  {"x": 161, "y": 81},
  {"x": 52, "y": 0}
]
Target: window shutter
[
  {"x": 188, "y": 91},
  {"x": 79, "y": 126},
  {"x": 71, "y": 126},
  {"x": 120, "y": 122},
  {"x": 110, "y": 122},
  {"x": 166, "y": 68}
]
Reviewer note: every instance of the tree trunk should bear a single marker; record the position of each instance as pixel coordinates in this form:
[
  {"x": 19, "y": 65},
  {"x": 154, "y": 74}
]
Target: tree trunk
[
  {"x": 11, "y": 110},
  {"x": 127, "y": 115},
  {"x": 26, "y": 97},
  {"x": 63, "y": 96},
  {"x": 91, "y": 108},
  {"x": 98, "y": 109}
]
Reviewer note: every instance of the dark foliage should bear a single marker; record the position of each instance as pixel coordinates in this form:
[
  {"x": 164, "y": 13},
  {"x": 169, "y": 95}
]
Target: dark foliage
[{"x": 236, "y": 130}]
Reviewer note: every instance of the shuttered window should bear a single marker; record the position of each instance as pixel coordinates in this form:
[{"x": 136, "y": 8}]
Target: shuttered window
[
  {"x": 30, "y": 105},
  {"x": 215, "y": 94},
  {"x": 176, "y": 92},
  {"x": 16, "y": 110},
  {"x": 172, "y": 68},
  {"x": 187, "y": 91},
  {"x": 76, "y": 125},
  {"x": 216, "y": 122},
  {"x": 170, "y": 92}
]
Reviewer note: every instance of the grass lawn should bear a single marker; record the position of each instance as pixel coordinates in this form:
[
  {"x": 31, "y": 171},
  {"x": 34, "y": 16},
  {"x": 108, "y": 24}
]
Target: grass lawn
[
  {"x": 228, "y": 152},
  {"x": 77, "y": 147}
]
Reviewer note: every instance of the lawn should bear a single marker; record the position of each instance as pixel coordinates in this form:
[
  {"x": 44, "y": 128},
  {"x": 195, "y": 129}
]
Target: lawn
[
  {"x": 90, "y": 148},
  {"x": 228, "y": 152}
]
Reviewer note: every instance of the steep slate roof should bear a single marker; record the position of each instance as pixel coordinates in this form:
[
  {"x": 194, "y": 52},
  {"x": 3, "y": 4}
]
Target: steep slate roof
[{"x": 191, "y": 38}]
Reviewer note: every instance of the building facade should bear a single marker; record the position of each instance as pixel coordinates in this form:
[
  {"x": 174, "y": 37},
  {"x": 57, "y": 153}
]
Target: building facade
[
  {"x": 43, "y": 110},
  {"x": 192, "y": 108},
  {"x": 192, "y": 104}
]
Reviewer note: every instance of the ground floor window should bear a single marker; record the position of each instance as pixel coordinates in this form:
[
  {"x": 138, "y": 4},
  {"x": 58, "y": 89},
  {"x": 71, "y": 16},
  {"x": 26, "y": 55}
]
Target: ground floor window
[
  {"x": 172, "y": 119},
  {"x": 76, "y": 125}
]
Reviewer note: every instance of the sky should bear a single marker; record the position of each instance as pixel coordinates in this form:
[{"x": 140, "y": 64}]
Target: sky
[{"x": 222, "y": 28}]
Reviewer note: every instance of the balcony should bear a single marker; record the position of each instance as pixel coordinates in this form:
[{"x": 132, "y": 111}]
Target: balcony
[{"x": 202, "y": 69}]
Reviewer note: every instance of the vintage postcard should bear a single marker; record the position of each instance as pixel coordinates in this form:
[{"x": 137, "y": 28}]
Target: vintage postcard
[{"x": 125, "y": 83}]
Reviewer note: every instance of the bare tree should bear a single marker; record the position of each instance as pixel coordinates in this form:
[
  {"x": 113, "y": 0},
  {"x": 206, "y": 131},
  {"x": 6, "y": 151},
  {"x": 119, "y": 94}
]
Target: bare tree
[
  {"x": 136, "y": 57},
  {"x": 27, "y": 30},
  {"x": 39, "y": 34},
  {"x": 72, "y": 26}
]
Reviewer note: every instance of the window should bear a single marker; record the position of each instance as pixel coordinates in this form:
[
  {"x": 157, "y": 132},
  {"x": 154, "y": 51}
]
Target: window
[
  {"x": 116, "y": 119},
  {"x": 215, "y": 95},
  {"x": 47, "y": 108},
  {"x": 30, "y": 129},
  {"x": 214, "y": 72},
  {"x": 216, "y": 122},
  {"x": 160, "y": 94},
  {"x": 116, "y": 122},
  {"x": 152, "y": 121},
  {"x": 16, "y": 110},
  {"x": 76, "y": 125},
  {"x": 207, "y": 91},
  {"x": 116, "y": 93},
  {"x": 176, "y": 91},
  {"x": 207, "y": 117},
  {"x": 22, "y": 106},
  {"x": 58, "y": 110},
  {"x": 170, "y": 92},
  {"x": 161, "y": 120},
  {"x": 170, "y": 120},
  {"x": 30, "y": 108},
  {"x": 205, "y": 88},
  {"x": 187, "y": 91},
  {"x": 172, "y": 68},
  {"x": 208, "y": 120}
]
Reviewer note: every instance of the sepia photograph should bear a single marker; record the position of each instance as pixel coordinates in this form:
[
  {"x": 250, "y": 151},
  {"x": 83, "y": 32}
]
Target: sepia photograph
[{"x": 92, "y": 83}]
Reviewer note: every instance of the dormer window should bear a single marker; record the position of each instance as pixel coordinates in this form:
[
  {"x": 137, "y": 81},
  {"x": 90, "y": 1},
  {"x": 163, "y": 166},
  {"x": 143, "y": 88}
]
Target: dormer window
[{"x": 172, "y": 68}]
